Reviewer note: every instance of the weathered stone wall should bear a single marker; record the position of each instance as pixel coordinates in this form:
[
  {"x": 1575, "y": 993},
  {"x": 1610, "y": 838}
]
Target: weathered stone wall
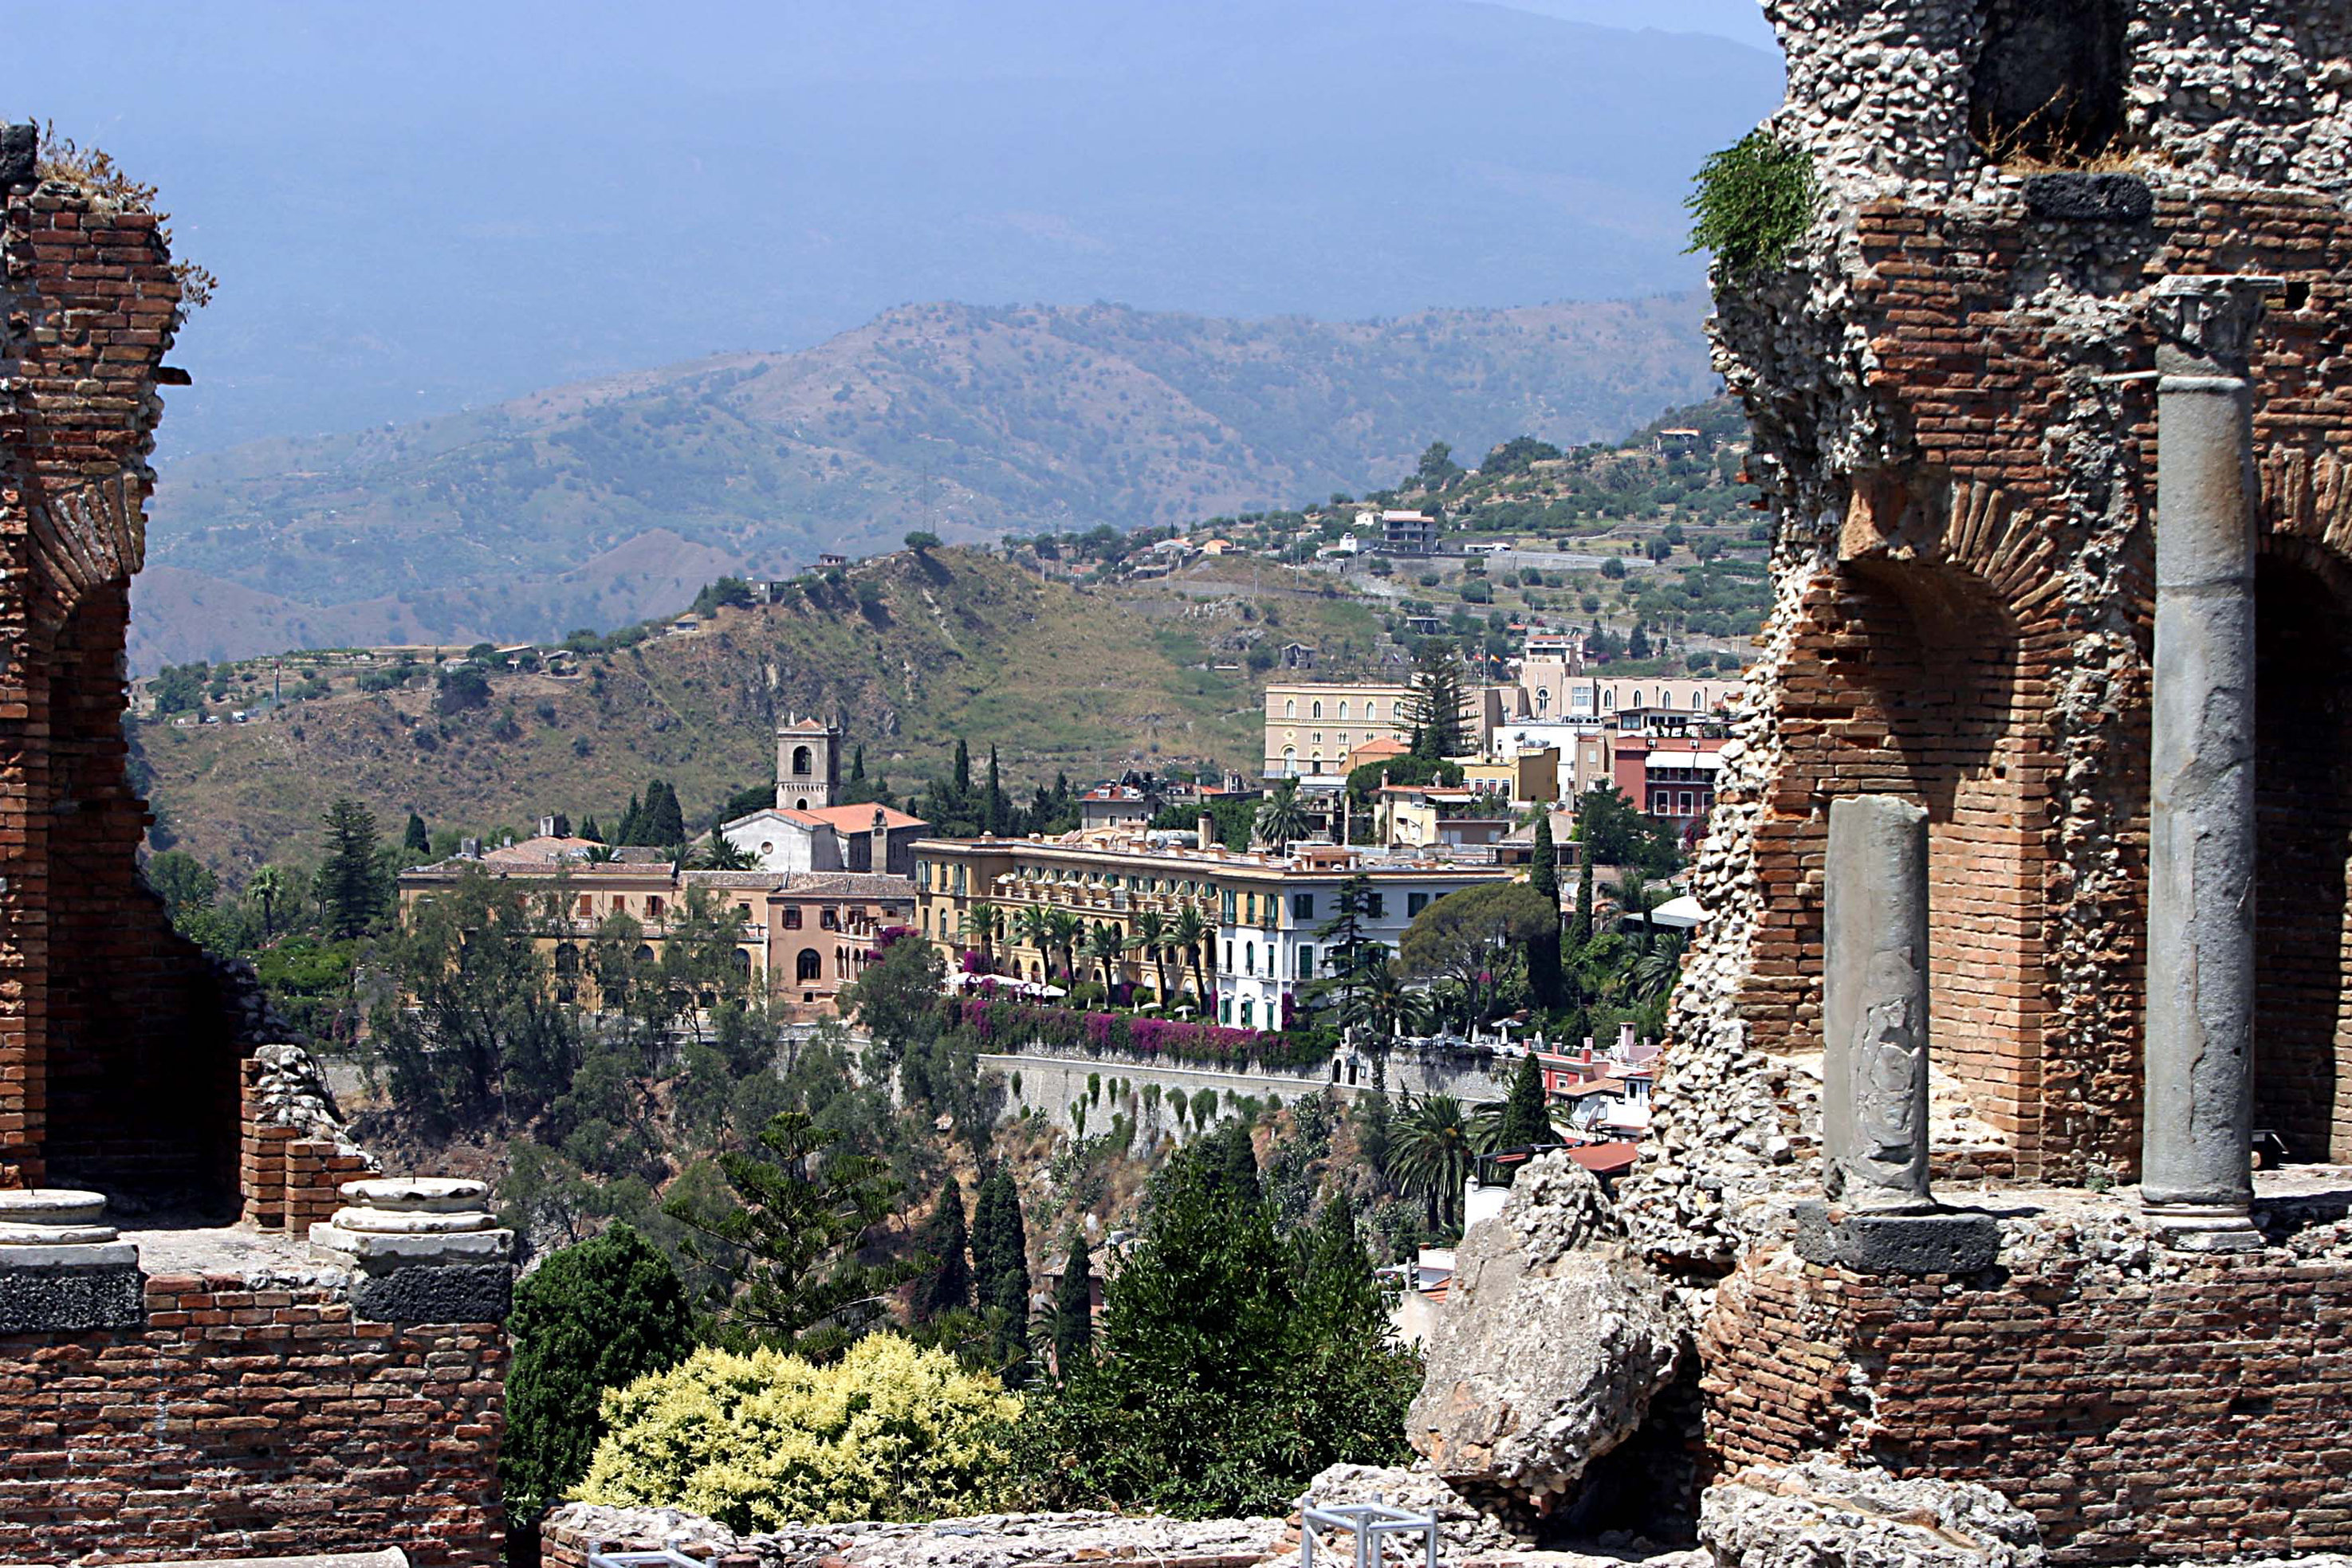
[
  {"x": 2137, "y": 1406},
  {"x": 117, "y": 1047},
  {"x": 1954, "y": 430},
  {"x": 252, "y": 1418}
]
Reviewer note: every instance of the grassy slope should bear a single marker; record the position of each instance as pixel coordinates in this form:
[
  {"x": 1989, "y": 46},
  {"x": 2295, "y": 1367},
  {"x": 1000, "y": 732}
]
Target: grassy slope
[{"x": 964, "y": 645}]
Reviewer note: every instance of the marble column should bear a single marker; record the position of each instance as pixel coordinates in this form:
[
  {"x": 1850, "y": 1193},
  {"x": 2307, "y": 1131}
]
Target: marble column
[
  {"x": 1877, "y": 1213},
  {"x": 2195, "y": 1178},
  {"x": 1875, "y": 1005}
]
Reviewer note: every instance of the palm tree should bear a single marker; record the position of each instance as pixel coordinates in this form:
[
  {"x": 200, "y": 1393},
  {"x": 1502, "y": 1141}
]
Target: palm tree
[
  {"x": 1191, "y": 935},
  {"x": 268, "y": 886},
  {"x": 1151, "y": 936},
  {"x": 601, "y": 854},
  {"x": 723, "y": 854},
  {"x": 1107, "y": 944},
  {"x": 984, "y": 921},
  {"x": 1634, "y": 898},
  {"x": 1282, "y": 821},
  {"x": 1432, "y": 1154},
  {"x": 1063, "y": 930},
  {"x": 1656, "y": 971},
  {"x": 1031, "y": 926},
  {"x": 1387, "y": 1006}
]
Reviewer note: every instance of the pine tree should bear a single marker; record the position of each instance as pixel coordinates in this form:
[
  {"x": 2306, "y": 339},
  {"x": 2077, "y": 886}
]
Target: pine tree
[
  {"x": 590, "y": 831},
  {"x": 1074, "y": 1307},
  {"x": 947, "y": 1287},
  {"x": 417, "y": 841},
  {"x": 1527, "y": 1118},
  {"x": 632, "y": 821},
  {"x": 349, "y": 884},
  {"x": 1435, "y": 703}
]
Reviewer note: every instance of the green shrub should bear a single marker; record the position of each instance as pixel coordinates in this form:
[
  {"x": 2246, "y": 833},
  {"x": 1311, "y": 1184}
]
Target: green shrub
[
  {"x": 591, "y": 1317},
  {"x": 1752, "y": 201},
  {"x": 755, "y": 1441}
]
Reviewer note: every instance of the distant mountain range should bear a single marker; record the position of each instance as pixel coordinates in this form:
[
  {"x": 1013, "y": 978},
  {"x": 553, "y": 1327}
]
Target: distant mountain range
[{"x": 603, "y": 502}]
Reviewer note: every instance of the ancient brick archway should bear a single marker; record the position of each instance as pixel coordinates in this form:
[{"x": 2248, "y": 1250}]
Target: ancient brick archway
[
  {"x": 1916, "y": 680},
  {"x": 2303, "y": 783}
]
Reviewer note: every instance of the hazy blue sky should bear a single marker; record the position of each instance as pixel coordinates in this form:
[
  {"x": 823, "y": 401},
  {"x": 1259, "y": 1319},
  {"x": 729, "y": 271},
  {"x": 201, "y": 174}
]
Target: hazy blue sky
[{"x": 417, "y": 206}]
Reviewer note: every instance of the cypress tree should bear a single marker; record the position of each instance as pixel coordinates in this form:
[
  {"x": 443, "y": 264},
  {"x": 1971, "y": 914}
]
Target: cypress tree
[
  {"x": 663, "y": 823},
  {"x": 630, "y": 821},
  {"x": 962, "y": 770},
  {"x": 1000, "y": 1260},
  {"x": 1543, "y": 952},
  {"x": 947, "y": 1287},
  {"x": 1527, "y": 1117},
  {"x": 858, "y": 765},
  {"x": 1235, "y": 1161},
  {"x": 591, "y": 1317},
  {"x": 992, "y": 818},
  {"x": 1074, "y": 1307},
  {"x": 590, "y": 831},
  {"x": 1579, "y": 931},
  {"x": 416, "y": 840}
]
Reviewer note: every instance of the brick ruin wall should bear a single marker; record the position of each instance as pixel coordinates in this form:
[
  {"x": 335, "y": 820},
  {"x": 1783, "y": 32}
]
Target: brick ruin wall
[
  {"x": 2136, "y": 1413},
  {"x": 252, "y": 1410},
  {"x": 252, "y": 1418},
  {"x": 1963, "y": 594},
  {"x": 117, "y": 1040},
  {"x": 1954, "y": 428}
]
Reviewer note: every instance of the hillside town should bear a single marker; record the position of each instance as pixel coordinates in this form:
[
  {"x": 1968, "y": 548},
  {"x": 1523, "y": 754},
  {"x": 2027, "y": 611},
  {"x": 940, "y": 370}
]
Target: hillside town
[{"x": 1762, "y": 992}]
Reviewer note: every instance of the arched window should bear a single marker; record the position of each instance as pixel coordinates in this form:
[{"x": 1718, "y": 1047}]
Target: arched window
[
  {"x": 1343, "y": 711},
  {"x": 1372, "y": 710},
  {"x": 1318, "y": 712},
  {"x": 1637, "y": 697},
  {"x": 1290, "y": 707},
  {"x": 801, "y": 761},
  {"x": 567, "y": 961},
  {"x": 1249, "y": 1014},
  {"x": 1290, "y": 759},
  {"x": 808, "y": 966},
  {"x": 742, "y": 961},
  {"x": 1609, "y": 700},
  {"x": 645, "y": 953}
]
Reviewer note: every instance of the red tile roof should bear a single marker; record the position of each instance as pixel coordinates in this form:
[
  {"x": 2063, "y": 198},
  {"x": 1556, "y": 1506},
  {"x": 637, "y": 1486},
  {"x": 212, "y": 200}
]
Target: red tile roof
[
  {"x": 853, "y": 819},
  {"x": 1606, "y": 1159}
]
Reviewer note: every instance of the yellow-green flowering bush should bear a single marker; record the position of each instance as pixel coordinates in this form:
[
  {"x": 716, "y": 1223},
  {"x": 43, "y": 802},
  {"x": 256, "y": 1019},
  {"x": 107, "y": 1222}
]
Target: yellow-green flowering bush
[{"x": 755, "y": 1441}]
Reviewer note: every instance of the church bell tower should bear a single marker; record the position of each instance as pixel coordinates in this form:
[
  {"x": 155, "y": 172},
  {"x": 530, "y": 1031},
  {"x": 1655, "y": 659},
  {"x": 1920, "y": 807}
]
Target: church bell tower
[{"x": 808, "y": 765}]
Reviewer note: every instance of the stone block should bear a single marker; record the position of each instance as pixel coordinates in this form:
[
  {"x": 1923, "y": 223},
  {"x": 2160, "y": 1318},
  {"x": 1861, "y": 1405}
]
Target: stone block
[
  {"x": 436, "y": 1294},
  {"x": 1951, "y": 1242},
  {"x": 72, "y": 1295},
  {"x": 2078, "y": 197}
]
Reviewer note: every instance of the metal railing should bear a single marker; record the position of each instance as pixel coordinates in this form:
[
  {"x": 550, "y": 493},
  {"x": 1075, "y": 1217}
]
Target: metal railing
[{"x": 1375, "y": 1527}]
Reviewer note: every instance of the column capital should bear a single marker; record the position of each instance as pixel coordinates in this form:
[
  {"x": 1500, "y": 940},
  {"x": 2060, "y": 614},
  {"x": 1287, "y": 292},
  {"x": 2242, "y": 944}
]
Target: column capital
[{"x": 2205, "y": 322}]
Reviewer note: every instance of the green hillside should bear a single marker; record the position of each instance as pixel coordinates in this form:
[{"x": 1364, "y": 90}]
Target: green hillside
[{"x": 910, "y": 652}]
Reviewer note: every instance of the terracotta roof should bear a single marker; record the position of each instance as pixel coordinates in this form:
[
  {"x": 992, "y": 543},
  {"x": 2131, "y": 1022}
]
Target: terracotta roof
[
  {"x": 537, "y": 852},
  {"x": 803, "y": 727},
  {"x": 852, "y": 819},
  {"x": 731, "y": 878},
  {"x": 849, "y": 885},
  {"x": 1606, "y": 1159}
]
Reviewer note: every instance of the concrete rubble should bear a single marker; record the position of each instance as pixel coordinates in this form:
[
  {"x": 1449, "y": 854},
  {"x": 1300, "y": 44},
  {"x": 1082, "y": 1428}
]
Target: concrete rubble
[{"x": 1553, "y": 1341}]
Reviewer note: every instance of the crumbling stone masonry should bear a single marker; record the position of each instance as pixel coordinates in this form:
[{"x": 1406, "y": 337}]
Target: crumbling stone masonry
[
  {"x": 195, "y": 1389},
  {"x": 1953, "y": 391},
  {"x": 2070, "y": 258}
]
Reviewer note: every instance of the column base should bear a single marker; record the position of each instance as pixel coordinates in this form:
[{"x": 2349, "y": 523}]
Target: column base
[
  {"x": 1934, "y": 1241},
  {"x": 2204, "y": 1228}
]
